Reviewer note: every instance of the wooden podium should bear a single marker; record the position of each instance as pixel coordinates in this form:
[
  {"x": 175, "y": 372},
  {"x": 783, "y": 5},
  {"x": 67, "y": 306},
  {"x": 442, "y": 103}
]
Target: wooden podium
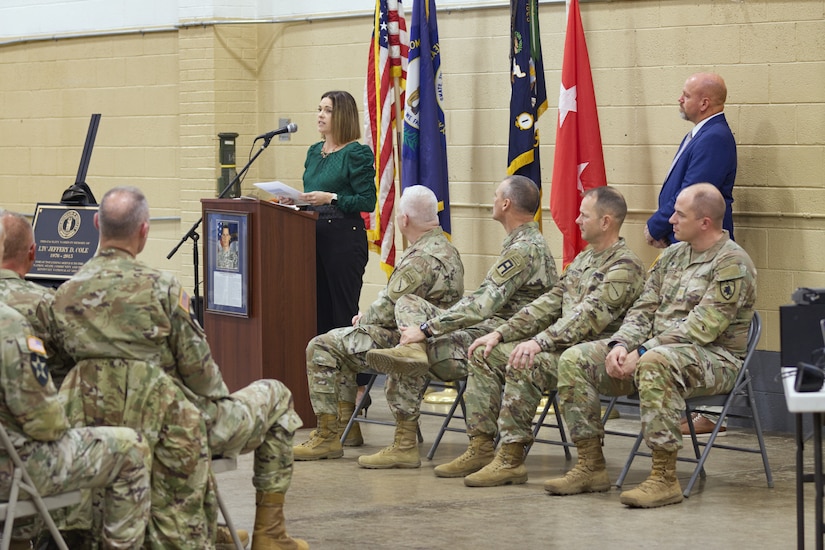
[{"x": 276, "y": 246}]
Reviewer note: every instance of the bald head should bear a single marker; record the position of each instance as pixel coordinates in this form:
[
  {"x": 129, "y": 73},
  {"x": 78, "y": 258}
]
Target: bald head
[
  {"x": 19, "y": 236},
  {"x": 712, "y": 86},
  {"x": 609, "y": 201},
  {"x": 19, "y": 243},
  {"x": 703, "y": 96},
  {"x": 523, "y": 193},
  {"x": 121, "y": 213},
  {"x": 706, "y": 201}
]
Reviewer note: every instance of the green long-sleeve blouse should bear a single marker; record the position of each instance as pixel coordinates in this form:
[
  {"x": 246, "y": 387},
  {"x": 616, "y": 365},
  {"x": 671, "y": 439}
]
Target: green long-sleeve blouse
[{"x": 349, "y": 171}]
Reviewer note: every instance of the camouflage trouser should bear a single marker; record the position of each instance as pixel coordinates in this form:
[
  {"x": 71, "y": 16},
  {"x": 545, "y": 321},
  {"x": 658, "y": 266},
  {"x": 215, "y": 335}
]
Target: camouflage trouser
[
  {"x": 258, "y": 418},
  {"x": 141, "y": 396},
  {"x": 664, "y": 377},
  {"x": 334, "y": 358},
  {"x": 523, "y": 389},
  {"x": 447, "y": 355},
  {"x": 117, "y": 460}
]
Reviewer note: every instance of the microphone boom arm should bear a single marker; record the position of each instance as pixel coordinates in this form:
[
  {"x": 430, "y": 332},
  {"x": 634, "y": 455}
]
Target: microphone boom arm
[{"x": 193, "y": 231}]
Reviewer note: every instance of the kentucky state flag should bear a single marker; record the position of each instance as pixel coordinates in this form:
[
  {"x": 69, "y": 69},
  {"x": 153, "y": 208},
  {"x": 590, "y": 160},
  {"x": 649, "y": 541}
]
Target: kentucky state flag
[
  {"x": 424, "y": 152},
  {"x": 528, "y": 95}
]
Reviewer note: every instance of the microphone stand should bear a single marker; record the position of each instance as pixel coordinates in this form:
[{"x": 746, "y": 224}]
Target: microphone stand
[{"x": 193, "y": 231}]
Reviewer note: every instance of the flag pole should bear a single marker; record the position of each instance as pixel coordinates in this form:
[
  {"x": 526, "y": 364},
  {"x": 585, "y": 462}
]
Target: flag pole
[{"x": 399, "y": 125}]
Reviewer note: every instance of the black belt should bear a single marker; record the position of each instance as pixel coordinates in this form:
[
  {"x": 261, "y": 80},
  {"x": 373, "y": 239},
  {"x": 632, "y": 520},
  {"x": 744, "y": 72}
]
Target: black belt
[{"x": 331, "y": 212}]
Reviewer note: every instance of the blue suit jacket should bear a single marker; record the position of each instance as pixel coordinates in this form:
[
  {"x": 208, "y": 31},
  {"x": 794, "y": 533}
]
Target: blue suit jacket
[{"x": 709, "y": 157}]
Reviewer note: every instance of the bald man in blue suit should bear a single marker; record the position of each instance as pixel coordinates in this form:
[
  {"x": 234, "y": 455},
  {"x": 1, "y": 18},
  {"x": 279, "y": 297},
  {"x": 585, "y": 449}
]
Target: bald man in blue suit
[{"x": 706, "y": 155}]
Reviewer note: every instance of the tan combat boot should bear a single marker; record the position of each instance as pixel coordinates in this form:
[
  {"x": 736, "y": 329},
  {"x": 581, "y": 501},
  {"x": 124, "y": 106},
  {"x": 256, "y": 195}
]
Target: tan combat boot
[
  {"x": 507, "y": 468},
  {"x": 324, "y": 441},
  {"x": 660, "y": 488},
  {"x": 408, "y": 359},
  {"x": 480, "y": 452},
  {"x": 354, "y": 437},
  {"x": 589, "y": 475},
  {"x": 270, "y": 531},
  {"x": 403, "y": 453},
  {"x": 223, "y": 538}
]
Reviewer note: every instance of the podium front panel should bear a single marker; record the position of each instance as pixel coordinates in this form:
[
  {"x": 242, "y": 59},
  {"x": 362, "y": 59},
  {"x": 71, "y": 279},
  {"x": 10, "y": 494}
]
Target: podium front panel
[{"x": 270, "y": 340}]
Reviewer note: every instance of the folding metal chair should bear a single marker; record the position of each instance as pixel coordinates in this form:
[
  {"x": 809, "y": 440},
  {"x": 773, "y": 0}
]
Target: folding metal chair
[
  {"x": 222, "y": 464},
  {"x": 731, "y": 408},
  {"x": 552, "y": 401},
  {"x": 449, "y": 415},
  {"x": 359, "y": 407},
  {"x": 14, "y": 508}
]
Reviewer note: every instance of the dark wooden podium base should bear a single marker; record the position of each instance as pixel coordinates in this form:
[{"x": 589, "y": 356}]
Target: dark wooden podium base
[{"x": 270, "y": 342}]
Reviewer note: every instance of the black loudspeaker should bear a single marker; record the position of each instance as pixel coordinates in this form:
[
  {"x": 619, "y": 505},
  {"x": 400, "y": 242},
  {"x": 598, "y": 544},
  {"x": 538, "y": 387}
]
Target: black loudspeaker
[
  {"x": 809, "y": 378},
  {"x": 800, "y": 333}
]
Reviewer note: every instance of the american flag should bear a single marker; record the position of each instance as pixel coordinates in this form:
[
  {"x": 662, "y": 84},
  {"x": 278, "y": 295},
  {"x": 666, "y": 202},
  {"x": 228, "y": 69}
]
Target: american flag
[{"x": 387, "y": 62}]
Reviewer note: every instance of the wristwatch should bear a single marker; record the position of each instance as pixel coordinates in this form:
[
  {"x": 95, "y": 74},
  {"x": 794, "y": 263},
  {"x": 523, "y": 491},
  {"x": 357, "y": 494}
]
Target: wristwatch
[
  {"x": 641, "y": 350},
  {"x": 425, "y": 328},
  {"x": 334, "y": 200}
]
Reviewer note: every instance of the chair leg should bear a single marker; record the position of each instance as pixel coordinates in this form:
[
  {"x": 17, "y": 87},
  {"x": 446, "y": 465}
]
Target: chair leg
[
  {"x": 459, "y": 401},
  {"x": 633, "y": 452},
  {"x": 552, "y": 401},
  {"x": 12, "y": 503},
  {"x": 560, "y": 424},
  {"x": 757, "y": 427},
  {"x": 225, "y": 513},
  {"x": 609, "y": 409},
  {"x": 358, "y": 406},
  {"x": 700, "y": 465}
]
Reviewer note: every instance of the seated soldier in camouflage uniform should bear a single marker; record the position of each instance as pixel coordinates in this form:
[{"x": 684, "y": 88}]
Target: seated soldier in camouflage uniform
[
  {"x": 119, "y": 320},
  {"x": 32, "y": 300},
  {"x": 524, "y": 271},
  {"x": 430, "y": 268},
  {"x": 685, "y": 336},
  {"x": 60, "y": 459},
  {"x": 588, "y": 302}
]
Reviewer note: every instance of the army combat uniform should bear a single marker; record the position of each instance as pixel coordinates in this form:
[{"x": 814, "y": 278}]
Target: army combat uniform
[
  {"x": 692, "y": 318},
  {"x": 129, "y": 329},
  {"x": 34, "y": 301},
  {"x": 60, "y": 459},
  {"x": 430, "y": 269},
  {"x": 588, "y": 302},
  {"x": 524, "y": 271}
]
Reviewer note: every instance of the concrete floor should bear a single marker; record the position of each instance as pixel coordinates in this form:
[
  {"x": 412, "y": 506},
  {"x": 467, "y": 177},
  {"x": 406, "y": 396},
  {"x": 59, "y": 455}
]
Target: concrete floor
[{"x": 336, "y": 505}]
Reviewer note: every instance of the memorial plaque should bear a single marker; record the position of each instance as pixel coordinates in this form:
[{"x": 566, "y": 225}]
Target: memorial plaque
[{"x": 66, "y": 239}]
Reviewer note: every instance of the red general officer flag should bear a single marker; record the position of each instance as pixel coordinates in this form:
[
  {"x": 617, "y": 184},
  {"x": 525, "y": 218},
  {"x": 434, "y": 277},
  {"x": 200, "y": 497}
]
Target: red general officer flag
[{"x": 579, "y": 161}]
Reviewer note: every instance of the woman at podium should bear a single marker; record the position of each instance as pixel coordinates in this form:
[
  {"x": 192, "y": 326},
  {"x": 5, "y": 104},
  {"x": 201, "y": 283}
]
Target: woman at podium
[{"x": 339, "y": 176}]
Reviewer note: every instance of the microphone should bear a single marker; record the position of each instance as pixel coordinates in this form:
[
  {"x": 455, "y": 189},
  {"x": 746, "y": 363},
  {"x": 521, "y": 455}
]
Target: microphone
[{"x": 288, "y": 129}]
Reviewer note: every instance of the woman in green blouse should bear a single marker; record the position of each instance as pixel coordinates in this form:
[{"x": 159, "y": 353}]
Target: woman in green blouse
[{"x": 339, "y": 184}]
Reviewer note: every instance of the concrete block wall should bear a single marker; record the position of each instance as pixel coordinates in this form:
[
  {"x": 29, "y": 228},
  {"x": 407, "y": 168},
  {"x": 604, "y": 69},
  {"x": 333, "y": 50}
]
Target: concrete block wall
[{"x": 165, "y": 96}]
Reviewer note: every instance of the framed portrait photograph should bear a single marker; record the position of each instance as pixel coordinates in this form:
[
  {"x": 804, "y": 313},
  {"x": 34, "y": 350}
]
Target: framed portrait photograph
[{"x": 227, "y": 263}]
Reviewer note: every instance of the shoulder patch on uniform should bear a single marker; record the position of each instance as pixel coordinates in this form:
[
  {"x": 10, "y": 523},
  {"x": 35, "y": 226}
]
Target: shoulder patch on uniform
[
  {"x": 404, "y": 283},
  {"x": 729, "y": 284},
  {"x": 509, "y": 266},
  {"x": 35, "y": 345},
  {"x": 619, "y": 274},
  {"x": 730, "y": 272},
  {"x": 183, "y": 301},
  {"x": 617, "y": 285},
  {"x": 39, "y": 368}
]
